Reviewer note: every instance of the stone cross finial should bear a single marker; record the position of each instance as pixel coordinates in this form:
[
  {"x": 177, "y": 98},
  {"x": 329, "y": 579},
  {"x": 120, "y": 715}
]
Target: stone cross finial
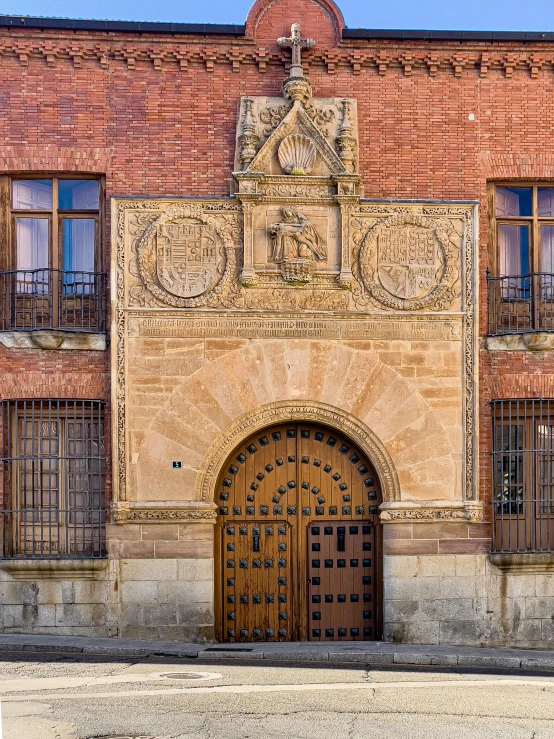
[{"x": 297, "y": 43}]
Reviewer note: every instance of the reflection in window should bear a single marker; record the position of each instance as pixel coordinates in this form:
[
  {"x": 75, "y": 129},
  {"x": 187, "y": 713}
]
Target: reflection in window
[
  {"x": 513, "y": 249},
  {"x": 78, "y": 195},
  {"x": 513, "y": 201},
  {"x": 32, "y": 194},
  {"x": 545, "y": 439},
  {"x": 508, "y": 493},
  {"x": 545, "y": 202}
]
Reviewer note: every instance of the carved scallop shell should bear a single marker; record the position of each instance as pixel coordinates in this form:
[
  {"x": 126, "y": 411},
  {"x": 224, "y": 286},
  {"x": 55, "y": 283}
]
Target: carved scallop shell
[{"x": 297, "y": 154}]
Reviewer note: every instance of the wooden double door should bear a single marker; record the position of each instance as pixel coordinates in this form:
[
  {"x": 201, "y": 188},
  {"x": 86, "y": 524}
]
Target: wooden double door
[{"x": 298, "y": 546}]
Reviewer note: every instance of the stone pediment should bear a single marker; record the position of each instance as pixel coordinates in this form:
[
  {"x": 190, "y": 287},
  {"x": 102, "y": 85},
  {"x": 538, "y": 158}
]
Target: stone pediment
[{"x": 297, "y": 138}]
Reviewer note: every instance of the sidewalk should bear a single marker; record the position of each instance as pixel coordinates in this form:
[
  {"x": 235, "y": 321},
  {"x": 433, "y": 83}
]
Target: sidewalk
[{"x": 373, "y": 653}]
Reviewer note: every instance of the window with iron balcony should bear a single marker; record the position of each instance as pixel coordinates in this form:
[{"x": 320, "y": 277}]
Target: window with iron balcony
[
  {"x": 520, "y": 280},
  {"x": 523, "y": 476},
  {"x": 51, "y": 265},
  {"x": 53, "y": 479}
]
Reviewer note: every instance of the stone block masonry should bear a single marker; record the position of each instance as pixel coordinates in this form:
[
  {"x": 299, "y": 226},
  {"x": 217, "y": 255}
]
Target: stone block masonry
[{"x": 464, "y": 599}]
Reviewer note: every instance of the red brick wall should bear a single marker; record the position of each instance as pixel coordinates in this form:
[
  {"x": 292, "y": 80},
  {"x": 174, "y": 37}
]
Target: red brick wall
[{"x": 157, "y": 115}]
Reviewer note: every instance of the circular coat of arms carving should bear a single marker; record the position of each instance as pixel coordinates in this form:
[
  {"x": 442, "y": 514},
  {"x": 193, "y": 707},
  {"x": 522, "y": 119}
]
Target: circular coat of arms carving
[
  {"x": 408, "y": 262},
  {"x": 185, "y": 257}
]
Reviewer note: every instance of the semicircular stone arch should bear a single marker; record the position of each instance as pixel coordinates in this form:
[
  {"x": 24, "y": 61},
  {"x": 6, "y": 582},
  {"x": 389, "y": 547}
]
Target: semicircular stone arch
[{"x": 415, "y": 450}]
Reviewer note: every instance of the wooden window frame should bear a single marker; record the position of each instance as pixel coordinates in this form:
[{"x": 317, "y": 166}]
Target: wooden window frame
[
  {"x": 55, "y": 214},
  {"x": 533, "y": 220}
]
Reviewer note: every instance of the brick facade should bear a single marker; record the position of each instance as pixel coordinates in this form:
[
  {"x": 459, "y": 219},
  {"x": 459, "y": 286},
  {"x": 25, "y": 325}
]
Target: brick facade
[{"x": 156, "y": 114}]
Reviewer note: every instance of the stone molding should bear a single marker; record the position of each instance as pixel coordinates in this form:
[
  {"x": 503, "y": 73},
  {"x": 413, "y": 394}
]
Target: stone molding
[
  {"x": 431, "y": 511},
  {"x": 286, "y": 411},
  {"x": 56, "y": 340},
  {"x": 105, "y": 52},
  {"x": 164, "y": 512},
  {"x": 55, "y": 569},
  {"x": 524, "y": 564},
  {"x": 534, "y": 342}
]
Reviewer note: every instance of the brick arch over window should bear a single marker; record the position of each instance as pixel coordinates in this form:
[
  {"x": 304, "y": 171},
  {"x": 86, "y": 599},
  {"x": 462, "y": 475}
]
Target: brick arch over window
[
  {"x": 52, "y": 158},
  {"x": 319, "y": 19},
  {"x": 267, "y": 382}
]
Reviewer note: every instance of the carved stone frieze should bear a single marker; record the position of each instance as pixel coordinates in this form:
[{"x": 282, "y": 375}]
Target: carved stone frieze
[
  {"x": 433, "y": 511},
  {"x": 260, "y": 117},
  {"x": 295, "y": 253},
  {"x": 167, "y": 512},
  {"x": 296, "y": 246}
]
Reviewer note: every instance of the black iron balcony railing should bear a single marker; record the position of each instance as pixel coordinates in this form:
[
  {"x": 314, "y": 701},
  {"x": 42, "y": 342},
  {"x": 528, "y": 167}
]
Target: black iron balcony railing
[
  {"x": 53, "y": 299},
  {"x": 520, "y": 303}
]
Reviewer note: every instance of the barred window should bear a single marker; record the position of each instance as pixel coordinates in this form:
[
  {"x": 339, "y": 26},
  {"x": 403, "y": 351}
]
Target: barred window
[
  {"x": 53, "y": 479},
  {"x": 523, "y": 475}
]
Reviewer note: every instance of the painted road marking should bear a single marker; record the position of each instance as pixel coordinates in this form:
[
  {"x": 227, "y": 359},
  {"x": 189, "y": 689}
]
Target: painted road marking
[{"x": 246, "y": 689}]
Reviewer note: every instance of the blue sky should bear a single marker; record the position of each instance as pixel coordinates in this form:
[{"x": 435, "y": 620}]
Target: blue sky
[{"x": 426, "y": 14}]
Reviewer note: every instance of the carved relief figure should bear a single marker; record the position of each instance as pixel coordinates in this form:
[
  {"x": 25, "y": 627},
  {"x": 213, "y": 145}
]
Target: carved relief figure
[
  {"x": 296, "y": 245},
  {"x": 295, "y": 237}
]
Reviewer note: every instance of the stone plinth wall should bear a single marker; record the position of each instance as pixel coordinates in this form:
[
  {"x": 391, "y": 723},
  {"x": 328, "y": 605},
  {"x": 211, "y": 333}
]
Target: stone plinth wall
[
  {"x": 464, "y": 599},
  {"x": 77, "y": 604},
  {"x": 167, "y": 599}
]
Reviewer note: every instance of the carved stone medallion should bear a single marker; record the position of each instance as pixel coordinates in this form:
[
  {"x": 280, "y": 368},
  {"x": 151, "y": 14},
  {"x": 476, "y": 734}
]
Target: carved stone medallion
[
  {"x": 408, "y": 262},
  {"x": 185, "y": 256}
]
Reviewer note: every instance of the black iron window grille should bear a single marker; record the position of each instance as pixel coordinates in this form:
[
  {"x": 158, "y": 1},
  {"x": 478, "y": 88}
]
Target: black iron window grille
[
  {"x": 523, "y": 475},
  {"x": 53, "y": 475},
  {"x": 520, "y": 283}
]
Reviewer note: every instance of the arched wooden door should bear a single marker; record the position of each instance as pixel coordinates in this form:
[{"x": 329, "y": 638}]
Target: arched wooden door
[{"x": 298, "y": 541}]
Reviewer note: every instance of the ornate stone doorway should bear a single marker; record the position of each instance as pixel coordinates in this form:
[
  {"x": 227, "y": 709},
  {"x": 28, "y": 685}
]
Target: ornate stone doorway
[{"x": 298, "y": 542}]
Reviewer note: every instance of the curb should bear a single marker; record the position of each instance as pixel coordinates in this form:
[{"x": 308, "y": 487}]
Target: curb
[{"x": 543, "y": 661}]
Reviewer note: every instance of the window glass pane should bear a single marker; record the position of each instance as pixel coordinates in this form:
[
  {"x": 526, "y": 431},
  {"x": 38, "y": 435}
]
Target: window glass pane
[
  {"x": 546, "y": 201},
  {"x": 31, "y": 236},
  {"x": 32, "y": 194},
  {"x": 508, "y": 492},
  {"x": 513, "y": 201},
  {"x": 545, "y": 438},
  {"x": 78, "y": 194},
  {"x": 513, "y": 256},
  {"x": 547, "y": 248},
  {"x": 78, "y": 244}
]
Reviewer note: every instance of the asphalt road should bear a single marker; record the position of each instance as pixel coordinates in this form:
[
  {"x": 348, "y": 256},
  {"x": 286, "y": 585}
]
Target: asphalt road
[{"x": 52, "y": 697}]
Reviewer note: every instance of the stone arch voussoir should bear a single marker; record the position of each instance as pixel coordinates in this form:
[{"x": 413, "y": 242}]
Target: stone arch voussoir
[{"x": 285, "y": 411}]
